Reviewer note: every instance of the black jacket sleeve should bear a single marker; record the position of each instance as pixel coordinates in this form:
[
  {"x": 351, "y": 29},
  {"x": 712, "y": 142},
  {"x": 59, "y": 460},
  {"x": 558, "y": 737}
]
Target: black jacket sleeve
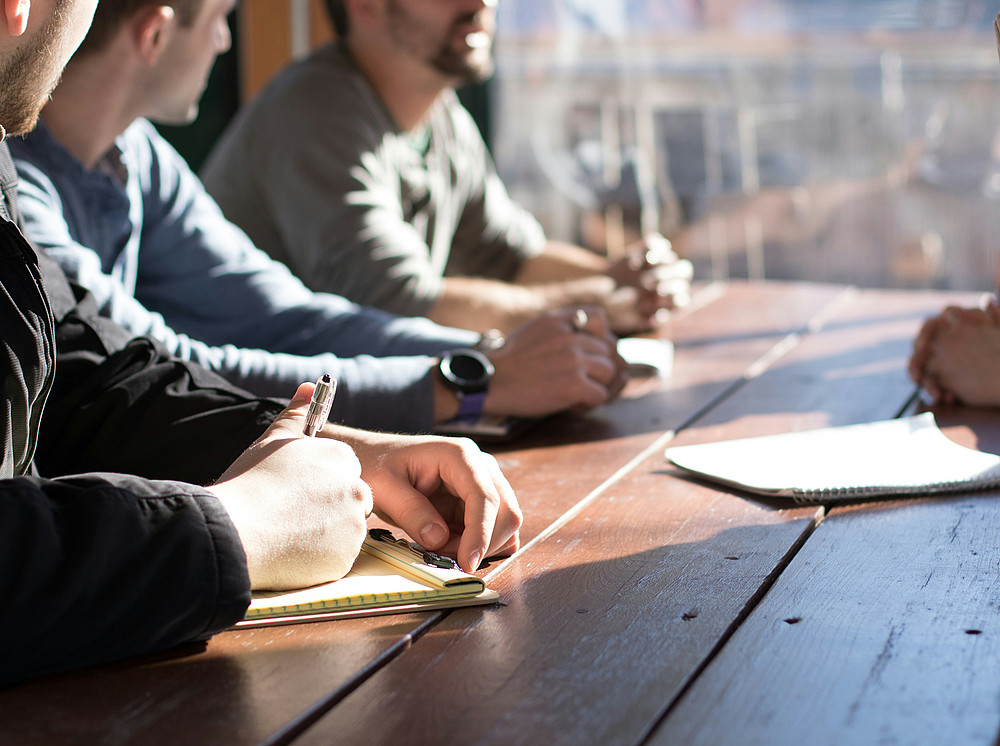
[
  {"x": 124, "y": 404},
  {"x": 104, "y": 566},
  {"x": 99, "y": 566}
]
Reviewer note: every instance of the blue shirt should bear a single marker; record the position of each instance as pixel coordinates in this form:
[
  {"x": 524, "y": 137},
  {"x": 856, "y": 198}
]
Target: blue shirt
[{"x": 142, "y": 234}]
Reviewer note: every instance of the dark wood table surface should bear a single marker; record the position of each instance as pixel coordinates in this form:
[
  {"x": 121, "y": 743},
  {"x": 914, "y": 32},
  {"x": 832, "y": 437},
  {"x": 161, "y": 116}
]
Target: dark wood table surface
[{"x": 644, "y": 607}]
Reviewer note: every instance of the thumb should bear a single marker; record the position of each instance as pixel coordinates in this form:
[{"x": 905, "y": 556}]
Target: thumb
[
  {"x": 303, "y": 395},
  {"x": 293, "y": 416}
]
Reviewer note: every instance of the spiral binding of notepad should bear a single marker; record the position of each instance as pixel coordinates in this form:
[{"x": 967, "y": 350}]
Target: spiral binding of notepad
[{"x": 815, "y": 496}]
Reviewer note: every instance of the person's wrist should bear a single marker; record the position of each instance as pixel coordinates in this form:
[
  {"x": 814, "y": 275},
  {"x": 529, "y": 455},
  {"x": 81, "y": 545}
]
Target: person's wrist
[
  {"x": 467, "y": 372},
  {"x": 585, "y": 291},
  {"x": 445, "y": 400}
]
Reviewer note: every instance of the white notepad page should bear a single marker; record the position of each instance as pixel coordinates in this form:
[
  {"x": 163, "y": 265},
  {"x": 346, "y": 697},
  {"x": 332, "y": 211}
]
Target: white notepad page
[{"x": 909, "y": 455}]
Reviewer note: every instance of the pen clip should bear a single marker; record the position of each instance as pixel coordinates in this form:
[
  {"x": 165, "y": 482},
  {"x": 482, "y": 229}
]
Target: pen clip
[{"x": 428, "y": 557}]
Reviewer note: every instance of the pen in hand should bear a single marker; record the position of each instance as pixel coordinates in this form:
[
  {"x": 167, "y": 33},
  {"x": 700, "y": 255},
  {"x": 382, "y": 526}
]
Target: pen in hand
[{"x": 319, "y": 407}]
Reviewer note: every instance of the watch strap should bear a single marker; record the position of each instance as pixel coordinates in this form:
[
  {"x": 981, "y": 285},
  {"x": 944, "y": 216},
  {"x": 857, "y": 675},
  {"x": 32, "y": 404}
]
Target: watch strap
[{"x": 470, "y": 406}]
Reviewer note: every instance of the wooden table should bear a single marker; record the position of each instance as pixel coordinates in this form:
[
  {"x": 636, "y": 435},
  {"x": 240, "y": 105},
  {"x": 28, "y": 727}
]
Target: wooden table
[{"x": 644, "y": 608}]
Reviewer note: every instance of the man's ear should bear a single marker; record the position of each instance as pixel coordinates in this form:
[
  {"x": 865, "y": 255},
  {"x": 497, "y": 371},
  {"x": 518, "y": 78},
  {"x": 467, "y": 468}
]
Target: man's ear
[
  {"x": 16, "y": 16},
  {"x": 151, "y": 28}
]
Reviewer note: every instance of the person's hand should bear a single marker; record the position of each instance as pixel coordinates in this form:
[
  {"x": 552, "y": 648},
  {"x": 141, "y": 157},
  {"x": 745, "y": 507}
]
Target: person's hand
[
  {"x": 917, "y": 366},
  {"x": 445, "y": 493},
  {"x": 650, "y": 278},
  {"x": 923, "y": 344},
  {"x": 960, "y": 360},
  {"x": 562, "y": 360},
  {"x": 299, "y": 504}
]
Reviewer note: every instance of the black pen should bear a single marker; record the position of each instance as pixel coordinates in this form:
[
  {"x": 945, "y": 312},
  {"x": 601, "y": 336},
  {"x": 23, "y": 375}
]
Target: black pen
[{"x": 319, "y": 407}]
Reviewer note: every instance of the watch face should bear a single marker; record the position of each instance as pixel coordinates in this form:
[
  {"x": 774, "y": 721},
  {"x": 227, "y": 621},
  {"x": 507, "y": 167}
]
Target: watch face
[{"x": 467, "y": 370}]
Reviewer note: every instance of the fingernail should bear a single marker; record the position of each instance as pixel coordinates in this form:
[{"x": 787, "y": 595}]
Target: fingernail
[
  {"x": 433, "y": 535},
  {"x": 477, "y": 557}
]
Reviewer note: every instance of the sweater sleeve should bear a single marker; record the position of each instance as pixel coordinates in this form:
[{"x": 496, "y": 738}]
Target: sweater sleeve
[{"x": 221, "y": 303}]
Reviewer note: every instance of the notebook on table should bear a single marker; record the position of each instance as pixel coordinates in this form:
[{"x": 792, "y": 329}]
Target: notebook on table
[
  {"x": 905, "y": 456},
  {"x": 390, "y": 576}
]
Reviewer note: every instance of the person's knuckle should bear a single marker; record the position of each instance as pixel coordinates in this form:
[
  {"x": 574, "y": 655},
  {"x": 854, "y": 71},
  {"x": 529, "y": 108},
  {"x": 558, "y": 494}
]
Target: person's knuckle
[{"x": 516, "y": 517}]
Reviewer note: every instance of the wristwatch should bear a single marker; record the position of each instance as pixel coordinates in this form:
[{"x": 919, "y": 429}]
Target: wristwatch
[{"x": 467, "y": 372}]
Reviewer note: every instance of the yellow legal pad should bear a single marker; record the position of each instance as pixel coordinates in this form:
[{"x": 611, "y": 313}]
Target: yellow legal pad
[{"x": 390, "y": 576}]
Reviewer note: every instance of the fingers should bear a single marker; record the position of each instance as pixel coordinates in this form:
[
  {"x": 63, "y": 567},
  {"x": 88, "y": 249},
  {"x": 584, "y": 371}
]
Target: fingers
[
  {"x": 672, "y": 283},
  {"x": 442, "y": 481},
  {"x": 492, "y": 516},
  {"x": 603, "y": 370},
  {"x": 590, "y": 320},
  {"x": 302, "y": 397},
  {"x": 921, "y": 349},
  {"x": 594, "y": 340},
  {"x": 603, "y": 365},
  {"x": 659, "y": 250},
  {"x": 935, "y": 343},
  {"x": 659, "y": 282},
  {"x": 557, "y": 362}
]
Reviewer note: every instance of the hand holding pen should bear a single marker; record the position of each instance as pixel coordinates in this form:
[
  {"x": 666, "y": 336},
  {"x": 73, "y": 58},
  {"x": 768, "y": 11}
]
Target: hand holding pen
[
  {"x": 445, "y": 493},
  {"x": 299, "y": 504}
]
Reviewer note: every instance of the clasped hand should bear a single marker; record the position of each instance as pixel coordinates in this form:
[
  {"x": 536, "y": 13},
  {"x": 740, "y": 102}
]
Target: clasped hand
[
  {"x": 649, "y": 279},
  {"x": 956, "y": 356}
]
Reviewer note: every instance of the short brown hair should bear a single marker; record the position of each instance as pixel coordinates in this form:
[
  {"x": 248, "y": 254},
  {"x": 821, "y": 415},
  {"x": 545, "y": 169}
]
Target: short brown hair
[
  {"x": 111, "y": 14},
  {"x": 338, "y": 16}
]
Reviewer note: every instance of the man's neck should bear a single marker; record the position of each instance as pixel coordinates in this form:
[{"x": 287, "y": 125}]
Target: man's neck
[
  {"x": 89, "y": 109},
  {"x": 408, "y": 91}
]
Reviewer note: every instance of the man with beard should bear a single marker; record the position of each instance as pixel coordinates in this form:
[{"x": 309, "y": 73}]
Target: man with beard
[
  {"x": 118, "y": 549},
  {"x": 359, "y": 169}
]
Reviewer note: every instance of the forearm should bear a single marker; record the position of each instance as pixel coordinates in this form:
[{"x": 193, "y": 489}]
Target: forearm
[
  {"x": 381, "y": 393},
  {"x": 561, "y": 261},
  {"x": 478, "y": 304}
]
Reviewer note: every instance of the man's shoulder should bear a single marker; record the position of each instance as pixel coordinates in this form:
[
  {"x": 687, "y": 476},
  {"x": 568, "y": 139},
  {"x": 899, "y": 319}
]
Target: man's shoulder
[
  {"x": 320, "y": 99},
  {"x": 148, "y": 154},
  {"x": 323, "y": 78}
]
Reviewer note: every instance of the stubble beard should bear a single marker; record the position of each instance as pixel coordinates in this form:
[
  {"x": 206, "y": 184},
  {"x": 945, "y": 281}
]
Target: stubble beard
[
  {"x": 473, "y": 66},
  {"x": 29, "y": 75},
  {"x": 466, "y": 66}
]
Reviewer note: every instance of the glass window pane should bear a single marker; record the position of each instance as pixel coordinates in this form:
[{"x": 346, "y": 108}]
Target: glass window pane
[{"x": 833, "y": 140}]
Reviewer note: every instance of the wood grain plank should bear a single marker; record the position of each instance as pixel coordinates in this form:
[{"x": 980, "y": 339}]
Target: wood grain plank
[
  {"x": 242, "y": 687},
  {"x": 884, "y": 629},
  {"x": 857, "y": 364},
  {"x": 614, "y": 614},
  {"x": 600, "y": 623},
  {"x": 737, "y": 326}
]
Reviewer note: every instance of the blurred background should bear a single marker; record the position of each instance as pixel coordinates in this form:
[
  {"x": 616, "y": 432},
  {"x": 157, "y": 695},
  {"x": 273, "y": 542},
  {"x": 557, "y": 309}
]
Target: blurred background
[
  {"x": 830, "y": 140},
  {"x": 842, "y": 140}
]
